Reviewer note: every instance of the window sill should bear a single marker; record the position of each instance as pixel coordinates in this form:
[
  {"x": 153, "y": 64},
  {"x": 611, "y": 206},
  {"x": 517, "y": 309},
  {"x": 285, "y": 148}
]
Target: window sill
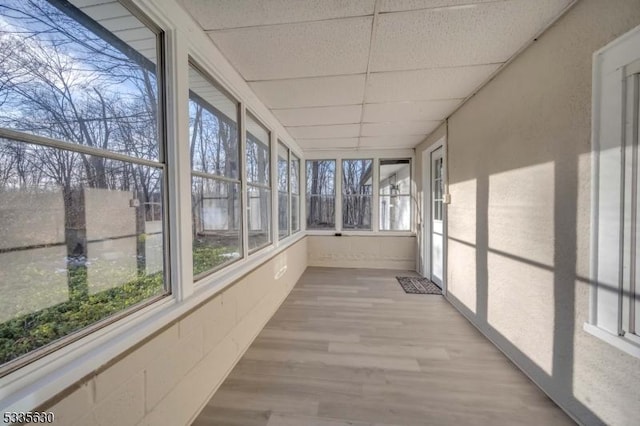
[
  {"x": 352, "y": 233},
  {"x": 619, "y": 342}
]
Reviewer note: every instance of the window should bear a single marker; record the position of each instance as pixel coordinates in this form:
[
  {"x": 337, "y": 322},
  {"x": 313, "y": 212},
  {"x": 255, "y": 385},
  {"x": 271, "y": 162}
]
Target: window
[
  {"x": 615, "y": 297},
  {"x": 283, "y": 190},
  {"x": 395, "y": 195},
  {"x": 295, "y": 193},
  {"x": 357, "y": 183},
  {"x": 258, "y": 189},
  {"x": 216, "y": 216},
  {"x": 82, "y": 174},
  {"x": 321, "y": 177}
]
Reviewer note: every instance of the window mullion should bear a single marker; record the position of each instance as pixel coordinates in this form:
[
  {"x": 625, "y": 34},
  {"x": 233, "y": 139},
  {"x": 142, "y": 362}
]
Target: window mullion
[
  {"x": 375, "y": 196},
  {"x": 244, "y": 208},
  {"x": 289, "y": 221},
  {"x": 338, "y": 194},
  {"x": 274, "y": 183},
  {"x": 179, "y": 167}
]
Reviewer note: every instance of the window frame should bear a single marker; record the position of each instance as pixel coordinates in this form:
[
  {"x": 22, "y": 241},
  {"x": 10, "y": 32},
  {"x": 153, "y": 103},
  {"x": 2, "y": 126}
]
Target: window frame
[
  {"x": 269, "y": 186},
  {"x": 409, "y": 194},
  {"x": 293, "y": 231},
  {"x": 373, "y": 163},
  {"x": 611, "y": 276},
  {"x": 336, "y": 177},
  {"x": 288, "y": 189},
  {"x": 192, "y": 63},
  {"x": 74, "y": 338},
  {"x": 376, "y": 155}
]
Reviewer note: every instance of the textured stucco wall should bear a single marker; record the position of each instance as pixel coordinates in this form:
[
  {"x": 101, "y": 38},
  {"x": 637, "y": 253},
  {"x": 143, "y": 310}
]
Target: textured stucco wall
[
  {"x": 518, "y": 249},
  {"x": 167, "y": 379},
  {"x": 383, "y": 252}
]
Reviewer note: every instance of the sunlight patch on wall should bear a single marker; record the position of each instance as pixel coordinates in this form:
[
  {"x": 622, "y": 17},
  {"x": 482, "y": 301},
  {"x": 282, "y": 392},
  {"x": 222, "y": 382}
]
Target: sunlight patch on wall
[
  {"x": 461, "y": 216},
  {"x": 521, "y": 209},
  {"x": 520, "y": 306},
  {"x": 520, "y": 302}
]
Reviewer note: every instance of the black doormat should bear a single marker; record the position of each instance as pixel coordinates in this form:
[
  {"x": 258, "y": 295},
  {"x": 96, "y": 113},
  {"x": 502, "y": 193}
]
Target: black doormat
[{"x": 418, "y": 285}]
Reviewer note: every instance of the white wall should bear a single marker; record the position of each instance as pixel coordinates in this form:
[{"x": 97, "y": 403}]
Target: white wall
[
  {"x": 366, "y": 251},
  {"x": 518, "y": 249},
  {"x": 168, "y": 378}
]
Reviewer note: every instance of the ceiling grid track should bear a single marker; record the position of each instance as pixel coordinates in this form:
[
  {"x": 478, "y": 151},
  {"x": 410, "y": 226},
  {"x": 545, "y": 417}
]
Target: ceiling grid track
[
  {"x": 370, "y": 74},
  {"x": 374, "y": 30}
]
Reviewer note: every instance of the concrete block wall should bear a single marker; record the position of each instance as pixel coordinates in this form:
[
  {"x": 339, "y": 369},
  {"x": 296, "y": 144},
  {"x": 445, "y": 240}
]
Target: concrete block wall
[
  {"x": 167, "y": 379},
  {"x": 366, "y": 251}
]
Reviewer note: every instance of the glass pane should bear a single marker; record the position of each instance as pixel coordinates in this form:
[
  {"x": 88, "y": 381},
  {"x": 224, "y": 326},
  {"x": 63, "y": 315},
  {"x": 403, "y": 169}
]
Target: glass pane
[
  {"x": 321, "y": 210},
  {"x": 395, "y": 177},
  {"x": 283, "y": 168},
  {"x": 437, "y": 186},
  {"x": 357, "y": 182},
  {"x": 295, "y": 212},
  {"x": 295, "y": 174},
  {"x": 320, "y": 201},
  {"x": 216, "y": 223},
  {"x": 259, "y": 200},
  {"x": 437, "y": 210},
  {"x": 395, "y": 213},
  {"x": 283, "y": 214},
  {"x": 213, "y": 128},
  {"x": 257, "y": 152},
  {"x": 66, "y": 76},
  {"x": 356, "y": 212},
  {"x": 81, "y": 239}
]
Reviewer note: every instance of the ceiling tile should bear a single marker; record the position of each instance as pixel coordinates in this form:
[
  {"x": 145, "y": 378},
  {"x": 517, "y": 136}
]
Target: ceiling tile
[
  {"x": 398, "y": 5},
  {"x": 325, "y": 132},
  {"x": 316, "y": 144},
  {"x": 311, "y": 92},
  {"x": 334, "y": 47},
  {"x": 322, "y": 115},
  {"x": 478, "y": 34},
  {"x": 440, "y": 83},
  {"x": 399, "y": 128},
  {"x": 391, "y": 141},
  {"x": 410, "y": 111},
  {"x": 221, "y": 14}
]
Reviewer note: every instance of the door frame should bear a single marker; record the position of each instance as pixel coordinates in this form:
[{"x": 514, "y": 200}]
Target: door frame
[{"x": 425, "y": 251}]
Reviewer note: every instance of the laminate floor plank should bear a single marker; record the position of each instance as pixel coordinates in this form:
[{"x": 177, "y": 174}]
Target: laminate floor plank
[{"x": 350, "y": 347}]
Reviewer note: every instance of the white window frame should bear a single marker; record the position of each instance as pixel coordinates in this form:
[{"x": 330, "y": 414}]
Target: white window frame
[
  {"x": 612, "y": 250},
  {"x": 288, "y": 191},
  {"x": 411, "y": 198},
  {"x": 291, "y": 193},
  {"x": 219, "y": 178},
  {"x": 270, "y": 186},
  {"x": 376, "y": 155}
]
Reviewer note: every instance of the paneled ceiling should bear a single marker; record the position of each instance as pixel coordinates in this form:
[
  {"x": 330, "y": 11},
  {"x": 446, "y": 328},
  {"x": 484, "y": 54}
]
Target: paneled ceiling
[{"x": 383, "y": 74}]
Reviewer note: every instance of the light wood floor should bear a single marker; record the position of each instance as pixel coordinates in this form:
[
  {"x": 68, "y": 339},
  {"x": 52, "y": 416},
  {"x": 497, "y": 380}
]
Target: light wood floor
[{"x": 349, "y": 347}]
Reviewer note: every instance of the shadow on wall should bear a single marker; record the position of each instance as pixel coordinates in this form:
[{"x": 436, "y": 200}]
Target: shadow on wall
[
  {"x": 520, "y": 330},
  {"x": 519, "y": 176}
]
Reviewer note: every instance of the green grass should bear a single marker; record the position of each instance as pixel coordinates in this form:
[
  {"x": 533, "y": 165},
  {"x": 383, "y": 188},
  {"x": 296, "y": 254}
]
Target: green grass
[
  {"x": 206, "y": 257},
  {"x": 26, "y": 333},
  {"x": 34, "y": 330}
]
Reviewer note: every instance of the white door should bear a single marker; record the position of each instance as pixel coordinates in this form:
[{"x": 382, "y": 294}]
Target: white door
[{"x": 437, "y": 228}]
